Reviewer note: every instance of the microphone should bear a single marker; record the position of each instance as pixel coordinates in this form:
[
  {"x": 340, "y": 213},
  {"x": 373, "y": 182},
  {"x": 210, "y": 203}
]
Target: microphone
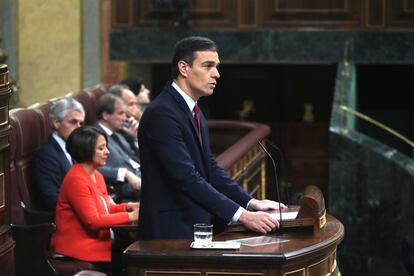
[
  {"x": 276, "y": 180},
  {"x": 281, "y": 168}
]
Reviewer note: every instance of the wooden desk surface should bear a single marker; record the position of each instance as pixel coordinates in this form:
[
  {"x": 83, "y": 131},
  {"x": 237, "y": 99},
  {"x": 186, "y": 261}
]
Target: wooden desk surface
[{"x": 301, "y": 250}]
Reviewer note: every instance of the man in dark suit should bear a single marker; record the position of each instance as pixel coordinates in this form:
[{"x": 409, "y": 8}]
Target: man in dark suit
[
  {"x": 182, "y": 183},
  {"x": 122, "y": 166},
  {"x": 51, "y": 162}
]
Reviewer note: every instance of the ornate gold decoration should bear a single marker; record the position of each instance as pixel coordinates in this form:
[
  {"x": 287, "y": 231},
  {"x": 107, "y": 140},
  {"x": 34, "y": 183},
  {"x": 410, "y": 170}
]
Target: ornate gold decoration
[{"x": 247, "y": 109}]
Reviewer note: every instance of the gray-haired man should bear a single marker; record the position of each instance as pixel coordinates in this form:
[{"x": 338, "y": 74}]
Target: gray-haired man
[{"x": 51, "y": 162}]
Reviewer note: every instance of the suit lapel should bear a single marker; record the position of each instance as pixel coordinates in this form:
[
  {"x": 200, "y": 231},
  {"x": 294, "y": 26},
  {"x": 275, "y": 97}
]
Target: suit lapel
[
  {"x": 60, "y": 152},
  {"x": 184, "y": 107}
]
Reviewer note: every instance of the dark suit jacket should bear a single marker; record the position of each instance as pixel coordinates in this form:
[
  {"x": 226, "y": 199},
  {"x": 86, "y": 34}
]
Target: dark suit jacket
[
  {"x": 181, "y": 182},
  {"x": 119, "y": 159},
  {"x": 49, "y": 166}
]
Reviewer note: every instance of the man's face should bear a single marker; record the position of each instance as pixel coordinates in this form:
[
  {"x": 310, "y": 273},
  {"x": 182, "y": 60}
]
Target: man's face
[
  {"x": 143, "y": 97},
  {"x": 115, "y": 120},
  {"x": 131, "y": 102},
  {"x": 71, "y": 121},
  {"x": 201, "y": 77}
]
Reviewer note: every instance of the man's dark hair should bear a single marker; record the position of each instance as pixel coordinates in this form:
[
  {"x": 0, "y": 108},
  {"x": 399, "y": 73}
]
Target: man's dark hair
[
  {"x": 106, "y": 103},
  {"x": 133, "y": 84},
  {"x": 185, "y": 50},
  {"x": 81, "y": 143}
]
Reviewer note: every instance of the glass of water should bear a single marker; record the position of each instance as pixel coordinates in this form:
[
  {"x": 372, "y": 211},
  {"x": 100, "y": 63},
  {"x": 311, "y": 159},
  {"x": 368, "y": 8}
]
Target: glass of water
[{"x": 203, "y": 234}]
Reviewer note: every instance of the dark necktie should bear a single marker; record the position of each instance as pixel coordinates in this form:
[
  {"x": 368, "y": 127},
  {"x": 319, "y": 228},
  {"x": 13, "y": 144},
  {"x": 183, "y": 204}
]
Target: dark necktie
[
  {"x": 197, "y": 119},
  {"x": 126, "y": 150}
]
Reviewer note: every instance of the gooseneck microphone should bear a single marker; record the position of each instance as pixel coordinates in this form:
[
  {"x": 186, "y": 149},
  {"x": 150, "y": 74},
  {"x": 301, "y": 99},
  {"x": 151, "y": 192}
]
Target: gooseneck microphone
[
  {"x": 281, "y": 167},
  {"x": 277, "y": 182}
]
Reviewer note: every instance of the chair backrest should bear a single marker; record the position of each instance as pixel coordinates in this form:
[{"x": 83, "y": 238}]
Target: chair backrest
[
  {"x": 28, "y": 132},
  {"x": 15, "y": 210},
  {"x": 31, "y": 251},
  {"x": 98, "y": 90},
  {"x": 88, "y": 102},
  {"x": 34, "y": 216},
  {"x": 43, "y": 111},
  {"x": 32, "y": 256}
]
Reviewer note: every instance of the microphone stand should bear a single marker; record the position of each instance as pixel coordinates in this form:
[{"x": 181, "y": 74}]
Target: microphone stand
[
  {"x": 281, "y": 168},
  {"x": 277, "y": 182}
]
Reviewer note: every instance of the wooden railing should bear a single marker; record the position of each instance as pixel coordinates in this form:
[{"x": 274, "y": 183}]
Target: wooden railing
[{"x": 237, "y": 151}]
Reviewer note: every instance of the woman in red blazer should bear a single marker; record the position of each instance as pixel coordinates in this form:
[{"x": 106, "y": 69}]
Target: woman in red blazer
[{"x": 85, "y": 212}]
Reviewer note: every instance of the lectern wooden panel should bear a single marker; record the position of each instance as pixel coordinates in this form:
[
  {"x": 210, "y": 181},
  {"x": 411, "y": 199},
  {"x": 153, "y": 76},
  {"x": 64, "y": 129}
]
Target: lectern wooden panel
[
  {"x": 290, "y": 253},
  {"x": 6, "y": 242}
]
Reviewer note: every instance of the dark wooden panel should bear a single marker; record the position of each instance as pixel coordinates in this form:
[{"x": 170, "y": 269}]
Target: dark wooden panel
[
  {"x": 198, "y": 13},
  {"x": 122, "y": 12},
  {"x": 326, "y": 13},
  {"x": 375, "y": 13},
  {"x": 248, "y": 13},
  {"x": 307, "y": 155},
  {"x": 332, "y": 14},
  {"x": 401, "y": 13},
  {"x": 6, "y": 243}
]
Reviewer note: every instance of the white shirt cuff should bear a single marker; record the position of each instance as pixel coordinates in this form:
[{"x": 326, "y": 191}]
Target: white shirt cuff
[
  {"x": 121, "y": 174},
  {"x": 237, "y": 215},
  {"x": 248, "y": 203}
]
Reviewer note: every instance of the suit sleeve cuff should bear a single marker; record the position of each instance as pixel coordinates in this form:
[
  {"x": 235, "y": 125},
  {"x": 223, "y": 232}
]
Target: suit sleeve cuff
[{"x": 237, "y": 215}]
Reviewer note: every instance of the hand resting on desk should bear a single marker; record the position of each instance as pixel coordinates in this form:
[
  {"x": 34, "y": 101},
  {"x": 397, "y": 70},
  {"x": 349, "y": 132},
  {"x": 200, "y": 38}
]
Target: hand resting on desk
[{"x": 260, "y": 221}]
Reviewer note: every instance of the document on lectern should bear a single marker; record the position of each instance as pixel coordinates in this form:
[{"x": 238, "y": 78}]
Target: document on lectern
[
  {"x": 286, "y": 215},
  {"x": 259, "y": 241}
]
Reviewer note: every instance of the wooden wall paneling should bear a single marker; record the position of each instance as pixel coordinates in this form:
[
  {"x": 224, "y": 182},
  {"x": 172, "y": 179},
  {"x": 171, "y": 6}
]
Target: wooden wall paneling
[
  {"x": 6, "y": 242},
  {"x": 218, "y": 13},
  {"x": 248, "y": 13},
  {"x": 400, "y": 13},
  {"x": 320, "y": 13},
  {"x": 212, "y": 13},
  {"x": 122, "y": 13},
  {"x": 332, "y": 14},
  {"x": 375, "y": 13}
]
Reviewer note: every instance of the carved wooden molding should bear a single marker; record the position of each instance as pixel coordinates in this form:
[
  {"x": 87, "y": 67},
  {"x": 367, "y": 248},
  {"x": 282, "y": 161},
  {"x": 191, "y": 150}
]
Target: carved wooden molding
[{"x": 245, "y": 14}]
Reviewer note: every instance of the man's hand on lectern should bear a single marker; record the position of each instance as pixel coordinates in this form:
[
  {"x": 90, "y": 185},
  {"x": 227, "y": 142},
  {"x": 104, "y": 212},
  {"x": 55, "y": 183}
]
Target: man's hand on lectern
[
  {"x": 259, "y": 221},
  {"x": 265, "y": 205}
]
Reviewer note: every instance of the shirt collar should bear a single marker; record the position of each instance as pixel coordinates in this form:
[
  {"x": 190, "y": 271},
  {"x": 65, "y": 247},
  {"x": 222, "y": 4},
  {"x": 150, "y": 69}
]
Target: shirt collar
[
  {"x": 107, "y": 130},
  {"x": 62, "y": 145},
  {"x": 189, "y": 101},
  {"x": 60, "y": 141}
]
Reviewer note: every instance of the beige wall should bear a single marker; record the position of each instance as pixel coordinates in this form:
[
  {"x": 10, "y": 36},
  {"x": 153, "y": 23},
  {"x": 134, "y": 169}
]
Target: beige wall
[{"x": 49, "y": 49}]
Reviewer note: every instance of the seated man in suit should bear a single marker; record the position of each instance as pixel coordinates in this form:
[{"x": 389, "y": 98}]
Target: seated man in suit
[
  {"x": 51, "y": 162},
  {"x": 122, "y": 165},
  {"x": 130, "y": 128}
]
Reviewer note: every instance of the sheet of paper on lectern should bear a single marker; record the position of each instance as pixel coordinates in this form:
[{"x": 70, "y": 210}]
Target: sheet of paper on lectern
[
  {"x": 259, "y": 241},
  {"x": 286, "y": 216}
]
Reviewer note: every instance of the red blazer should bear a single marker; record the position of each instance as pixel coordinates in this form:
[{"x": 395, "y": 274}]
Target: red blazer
[{"x": 82, "y": 219}]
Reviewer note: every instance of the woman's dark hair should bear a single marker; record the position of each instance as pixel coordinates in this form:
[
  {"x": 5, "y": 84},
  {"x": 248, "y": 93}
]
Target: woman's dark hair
[
  {"x": 185, "y": 50},
  {"x": 82, "y": 141}
]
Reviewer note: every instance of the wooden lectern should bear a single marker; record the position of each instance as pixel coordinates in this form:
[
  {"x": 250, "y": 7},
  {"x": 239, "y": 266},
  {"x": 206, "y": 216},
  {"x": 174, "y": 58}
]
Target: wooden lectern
[{"x": 311, "y": 213}]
